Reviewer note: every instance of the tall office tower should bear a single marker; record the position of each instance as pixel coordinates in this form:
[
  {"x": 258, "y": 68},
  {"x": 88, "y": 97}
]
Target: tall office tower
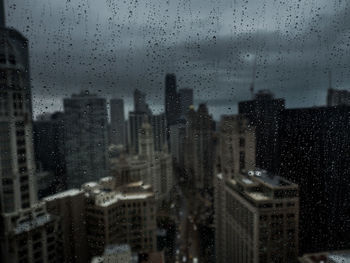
[
  {"x": 177, "y": 142},
  {"x": 235, "y": 151},
  {"x": 315, "y": 154},
  {"x": 185, "y": 100},
  {"x": 338, "y": 97},
  {"x": 28, "y": 232},
  {"x": 135, "y": 122},
  {"x": 159, "y": 131},
  {"x": 140, "y": 104},
  {"x": 120, "y": 216},
  {"x": 264, "y": 113},
  {"x": 234, "y": 154},
  {"x": 172, "y": 107},
  {"x": 199, "y": 148},
  {"x": 117, "y": 122},
  {"x": 85, "y": 138},
  {"x": 70, "y": 207},
  {"x": 259, "y": 219},
  {"x": 49, "y": 148}
]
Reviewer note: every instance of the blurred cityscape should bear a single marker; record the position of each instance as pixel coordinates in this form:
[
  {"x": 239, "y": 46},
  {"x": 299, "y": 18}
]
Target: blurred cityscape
[{"x": 269, "y": 184}]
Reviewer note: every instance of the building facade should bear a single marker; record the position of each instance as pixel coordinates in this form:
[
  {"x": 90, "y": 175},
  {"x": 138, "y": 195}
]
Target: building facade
[
  {"x": 86, "y": 139},
  {"x": 124, "y": 215},
  {"x": 28, "y": 232},
  {"x": 185, "y": 100},
  {"x": 117, "y": 122},
  {"x": 264, "y": 112},
  {"x": 259, "y": 219},
  {"x": 199, "y": 148},
  {"x": 69, "y": 206}
]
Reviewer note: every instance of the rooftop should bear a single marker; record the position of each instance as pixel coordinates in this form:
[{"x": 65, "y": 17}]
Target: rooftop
[
  {"x": 71, "y": 192},
  {"x": 327, "y": 257},
  {"x": 271, "y": 180}
]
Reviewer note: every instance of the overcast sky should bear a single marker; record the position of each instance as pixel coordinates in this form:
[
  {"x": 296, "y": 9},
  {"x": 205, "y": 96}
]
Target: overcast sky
[{"x": 112, "y": 47}]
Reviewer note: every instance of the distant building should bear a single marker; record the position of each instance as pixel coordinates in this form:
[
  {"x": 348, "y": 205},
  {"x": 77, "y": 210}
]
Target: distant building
[
  {"x": 338, "y": 97},
  {"x": 235, "y": 152},
  {"x": 315, "y": 153},
  {"x": 70, "y": 207},
  {"x": 115, "y": 254},
  {"x": 185, "y": 100},
  {"x": 198, "y": 152},
  {"x": 264, "y": 112},
  {"x": 152, "y": 167},
  {"x": 46, "y": 183},
  {"x": 159, "y": 127},
  {"x": 86, "y": 141},
  {"x": 258, "y": 218},
  {"x": 117, "y": 122},
  {"x": 140, "y": 104},
  {"x": 135, "y": 122},
  {"x": 48, "y": 138},
  {"x": 124, "y": 215},
  {"x": 178, "y": 141},
  {"x": 172, "y": 106},
  {"x": 27, "y": 232},
  {"x": 326, "y": 257}
]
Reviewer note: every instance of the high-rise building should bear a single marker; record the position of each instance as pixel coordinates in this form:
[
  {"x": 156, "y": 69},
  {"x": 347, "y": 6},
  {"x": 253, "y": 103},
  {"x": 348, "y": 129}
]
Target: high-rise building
[
  {"x": 235, "y": 152},
  {"x": 199, "y": 148},
  {"x": 264, "y": 112},
  {"x": 178, "y": 141},
  {"x": 258, "y": 219},
  {"x": 152, "y": 167},
  {"x": 70, "y": 207},
  {"x": 140, "y": 104},
  {"x": 135, "y": 122},
  {"x": 28, "y": 232},
  {"x": 338, "y": 97},
  {"x": 315, "y": 154},
  {"x": 185, "y": 100},
  {"x": 172, "y": 107},
  {"x": 86, "y": 139},
  {"x": 49, "y": 148},
  {"x": 158, "y": 123},
  {"x": 120, "y": 216},
  {"x": 117, "y": 122}
]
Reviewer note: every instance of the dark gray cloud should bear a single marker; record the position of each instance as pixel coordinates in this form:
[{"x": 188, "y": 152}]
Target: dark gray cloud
[{"x": 113, "y": 47}]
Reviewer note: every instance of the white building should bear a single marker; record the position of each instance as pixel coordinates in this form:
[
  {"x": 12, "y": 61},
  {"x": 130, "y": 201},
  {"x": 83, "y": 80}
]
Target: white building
[{"x": 152, "y": 167}]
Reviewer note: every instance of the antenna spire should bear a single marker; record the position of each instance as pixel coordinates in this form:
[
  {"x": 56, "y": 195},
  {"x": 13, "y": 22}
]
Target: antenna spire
[{"x": 252, "y": 84}]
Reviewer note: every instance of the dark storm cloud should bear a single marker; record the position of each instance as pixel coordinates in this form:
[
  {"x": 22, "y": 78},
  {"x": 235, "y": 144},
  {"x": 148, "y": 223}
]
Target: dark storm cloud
[{"x": 113, "y": 47}]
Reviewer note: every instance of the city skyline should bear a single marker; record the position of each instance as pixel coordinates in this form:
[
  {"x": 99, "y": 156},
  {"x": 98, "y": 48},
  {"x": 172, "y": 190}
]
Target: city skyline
[{"x": 287, "y": 47}]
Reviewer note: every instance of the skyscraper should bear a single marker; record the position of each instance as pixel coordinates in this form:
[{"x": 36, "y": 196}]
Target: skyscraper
[
  {"x": 117, "y": 122},
  {"x": 264, "y": 112},
  {"x": 172, "y": 107},
  {"x": 49, "y": 147},
  {"x": 185, "y": 100},
  {"x": 140, "y": 104},
  {"x": 158, "y": 123},
  {"x": 28, "y": 232},
  {"x": 199, "y": 147},
  {"x": 135, "y": 122},
  {"x": 315, "y": 154},
  {"x": 85, "y": 138}
]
